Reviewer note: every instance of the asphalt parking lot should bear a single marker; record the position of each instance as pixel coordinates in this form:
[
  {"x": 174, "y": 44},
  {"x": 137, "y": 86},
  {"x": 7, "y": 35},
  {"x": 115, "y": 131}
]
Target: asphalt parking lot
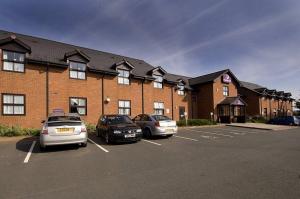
[{"x": 219, "y": 162}]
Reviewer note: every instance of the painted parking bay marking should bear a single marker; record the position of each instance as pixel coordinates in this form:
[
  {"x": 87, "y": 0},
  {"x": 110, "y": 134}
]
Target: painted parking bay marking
[
  {"x": 26, "y": 160},
  {"x": 100, "y": 147},
  {"x": 213, "y": 133},
  {"x": 185, "y": 138},
  {"x": 151, "y": 142}
]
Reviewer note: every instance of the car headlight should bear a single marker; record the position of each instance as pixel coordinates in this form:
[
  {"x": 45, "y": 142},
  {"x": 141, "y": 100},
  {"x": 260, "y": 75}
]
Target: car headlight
[
  {"x": 139, "y": 130},
  {"x": 117, "y": 132}
]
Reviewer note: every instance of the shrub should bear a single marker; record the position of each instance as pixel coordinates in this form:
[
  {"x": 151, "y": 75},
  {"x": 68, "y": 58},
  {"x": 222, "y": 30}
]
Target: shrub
[
  {"x": 196, "y": 122},
  {"x": 257, "y": 120},
  {"x": 91, "y": 128},
  {"x": 10, "y": 131}
]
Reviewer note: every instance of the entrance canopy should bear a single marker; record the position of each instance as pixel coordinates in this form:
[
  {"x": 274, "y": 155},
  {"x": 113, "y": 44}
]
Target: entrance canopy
[{"x": 231, "y": 109}]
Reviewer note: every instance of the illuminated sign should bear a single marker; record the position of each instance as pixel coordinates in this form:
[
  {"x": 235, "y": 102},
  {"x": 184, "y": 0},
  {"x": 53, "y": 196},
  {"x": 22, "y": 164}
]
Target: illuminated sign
[{"x": 226, "y": 78}]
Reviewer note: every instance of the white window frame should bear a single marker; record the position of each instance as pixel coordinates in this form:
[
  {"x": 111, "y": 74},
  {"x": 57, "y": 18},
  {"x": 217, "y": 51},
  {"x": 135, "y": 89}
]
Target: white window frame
[
  {"x": 226, "y": 91},
  {"x": 180, "y": 90},
  {"x": 159, "y": 108},
  {"x": 14, "y": 104},
  {"x": 158, "y": 82},
  {"x": 15, "y": 65},
  {"x": 123, "y": 76},
  {"x": 81, "y": 104},
  {"x": 124, "y": 107},
  {"x": 76, "y": 72}
]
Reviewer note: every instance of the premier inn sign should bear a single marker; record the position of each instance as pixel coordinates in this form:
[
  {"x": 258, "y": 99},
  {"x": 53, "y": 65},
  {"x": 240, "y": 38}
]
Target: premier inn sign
[{"x": 226, "y": 78}]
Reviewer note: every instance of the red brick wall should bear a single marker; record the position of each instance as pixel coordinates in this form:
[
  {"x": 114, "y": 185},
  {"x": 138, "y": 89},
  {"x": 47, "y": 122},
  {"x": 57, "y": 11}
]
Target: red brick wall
[
  {"x": 252, "y": 101},
  {"x": 181, "y": 101},
  {"x": 32, "y": 83}
]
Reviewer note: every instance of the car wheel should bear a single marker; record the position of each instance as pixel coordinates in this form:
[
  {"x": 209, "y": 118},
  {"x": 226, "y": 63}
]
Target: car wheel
[
  {"x": 147, "y": 133},
  {"x": 97, "y": 133},
  {"x": 84, "y": 144},
  {"x": 107, "y": 138},
  {"x": 169, "y": 135},
  {"x": 42, "y": 148}
]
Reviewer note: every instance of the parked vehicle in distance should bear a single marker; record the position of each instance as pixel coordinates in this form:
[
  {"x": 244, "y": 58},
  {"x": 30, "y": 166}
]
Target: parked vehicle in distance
[
  {"x": 118, "y": 128},
  {"x": 156, "y": 125},
  {"x": 288, "y": 120},
  {"x": 61, "y": 128}
]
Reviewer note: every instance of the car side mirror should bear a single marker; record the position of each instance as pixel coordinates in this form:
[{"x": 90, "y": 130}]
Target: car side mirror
[{"x": 43, "y": 121}]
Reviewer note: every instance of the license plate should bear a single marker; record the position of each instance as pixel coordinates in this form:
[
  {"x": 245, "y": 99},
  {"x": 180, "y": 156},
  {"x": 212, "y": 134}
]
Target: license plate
[
  {"x": 130, "y": 136},
  {"x": 65, "y": 130},
  {"x": 169, "y": 130}
]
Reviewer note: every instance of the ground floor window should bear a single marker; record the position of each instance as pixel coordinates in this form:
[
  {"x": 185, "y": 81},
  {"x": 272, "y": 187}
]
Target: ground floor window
[
  {"x": 78, "y": 105},
  {"x": 13, "y": 104},
  {"x": 124, "y": 107},
  {"x": 159, "y": 108}
]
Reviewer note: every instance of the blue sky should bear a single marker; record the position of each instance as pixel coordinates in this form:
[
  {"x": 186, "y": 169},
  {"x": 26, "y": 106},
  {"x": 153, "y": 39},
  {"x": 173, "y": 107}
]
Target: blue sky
[{"x": 258, "y": 39}]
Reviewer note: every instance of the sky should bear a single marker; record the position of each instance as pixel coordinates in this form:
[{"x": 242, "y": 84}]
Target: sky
[{"x": 258, "y": 40}]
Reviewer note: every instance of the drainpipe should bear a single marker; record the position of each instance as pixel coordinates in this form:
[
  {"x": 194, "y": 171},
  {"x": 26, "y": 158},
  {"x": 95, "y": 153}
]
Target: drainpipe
[
  {"x": 47, "y": 90},
  {"x": 172, "y": 99},
  {"x": 102, "y": 88},
  {"x": 143, "y": 110}
]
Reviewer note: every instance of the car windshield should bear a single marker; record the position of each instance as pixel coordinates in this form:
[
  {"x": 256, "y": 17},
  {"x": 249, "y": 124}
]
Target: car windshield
[
  {"x": 63, "y": 118},
  {"x": 160, "y": 117},
  {"x": 118, "y": 119}
]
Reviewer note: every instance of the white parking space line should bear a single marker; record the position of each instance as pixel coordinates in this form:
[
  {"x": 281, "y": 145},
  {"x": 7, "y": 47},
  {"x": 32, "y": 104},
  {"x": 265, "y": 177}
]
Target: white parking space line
[
  {"x": 213, "y": 133},
  {"x": 231, "y": 132},
  {"x": 103, "y": 149},
  {"x": 151, "y": 142},
  {"x": 185, "y": 138},
  {"x": 29, "y": 152}
]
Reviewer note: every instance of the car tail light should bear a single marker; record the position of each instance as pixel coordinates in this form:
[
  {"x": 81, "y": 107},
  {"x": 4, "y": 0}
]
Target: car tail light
[
  {"x": 157, "y": 123},
  {"x": 83, "y": 130},
  {"x": 45, "y": 131}
]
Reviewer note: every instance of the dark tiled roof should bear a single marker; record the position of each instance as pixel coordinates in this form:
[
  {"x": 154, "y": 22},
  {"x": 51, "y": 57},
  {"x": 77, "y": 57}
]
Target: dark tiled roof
[
  {"x": 252, "y": 86},
  {"x": 176, "y": 78},
  {"x": 54, "y": 52},
  {"x": 206, "y": 78},
  {"x": 232, "y": 101}
]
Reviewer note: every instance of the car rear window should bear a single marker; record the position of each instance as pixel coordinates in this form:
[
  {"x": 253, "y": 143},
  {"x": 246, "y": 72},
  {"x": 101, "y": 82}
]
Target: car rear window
[
  {"x": 160, "y": 117},
  {"x": 118, "y": 119},
  {"x": 63, "y": 118},
  {"x": 64, "y": 121}
]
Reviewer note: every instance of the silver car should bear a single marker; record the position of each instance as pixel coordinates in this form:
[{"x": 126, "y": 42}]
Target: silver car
[
  {"x": 156, "y": 125},
  {"x": 61, "y": 128}
]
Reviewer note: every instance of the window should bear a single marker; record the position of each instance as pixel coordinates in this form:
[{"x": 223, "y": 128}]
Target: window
[
  {"x": 180, "y": 89},
  {"x": 225, "y": 91},
  {"x": 124, "y": 107},
  {"x": 158, "y": 81},
  {"x": 77, "y": 70},
  {"x": 158, "y": 108},
  {"x": 13, "y": 104},
  {"x": 13, "y": 61},
  {"x": 78, "y": 105},
  {"x": 123, "y": 77}
]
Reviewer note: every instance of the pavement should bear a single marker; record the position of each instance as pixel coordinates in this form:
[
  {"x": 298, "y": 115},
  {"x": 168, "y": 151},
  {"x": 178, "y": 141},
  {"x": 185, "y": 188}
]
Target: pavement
[
  {"x": 212, "y": 163},
  {"x": 262, "y": 126}
]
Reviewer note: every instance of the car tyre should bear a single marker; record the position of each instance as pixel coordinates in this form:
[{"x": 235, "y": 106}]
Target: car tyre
[
  {"x": 168, "y": 136},
  {"x": 84, "y": 144},
  {"x": 148, "y": 133},
  {"x": 97, "y": 133},
  {"x": 107, "y": 141},
  {"x": 42, "y": 148}
]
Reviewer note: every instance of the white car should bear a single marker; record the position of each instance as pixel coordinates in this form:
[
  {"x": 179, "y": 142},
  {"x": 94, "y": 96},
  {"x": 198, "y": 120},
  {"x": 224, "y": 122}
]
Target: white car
[
  {"x": 156, "y": 125},
  {"x": 61, "y": 128}
]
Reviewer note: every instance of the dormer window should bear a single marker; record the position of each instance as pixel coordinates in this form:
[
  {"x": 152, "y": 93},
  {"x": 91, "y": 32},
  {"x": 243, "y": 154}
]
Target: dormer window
[
  {"x": 13, "y": 61},
  {"x": 77, "y": 70},
  {"x": 123, "y": 77},
  {"x": 180, "y": 89},
  {"x": 158, "y": 82}
]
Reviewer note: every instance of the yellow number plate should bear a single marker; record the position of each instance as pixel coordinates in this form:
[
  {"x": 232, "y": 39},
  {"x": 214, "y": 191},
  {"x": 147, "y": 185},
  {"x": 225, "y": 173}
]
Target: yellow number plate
[{"x": 65, "y": 130}]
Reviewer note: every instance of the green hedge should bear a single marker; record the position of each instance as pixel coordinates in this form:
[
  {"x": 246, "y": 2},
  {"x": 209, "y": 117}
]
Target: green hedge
[
  {"x": 196, "y": 122},
  {"x": 9, "y": 131},
  {"x": 91, "y": 128},
  {"x": 257, "y": 120}
]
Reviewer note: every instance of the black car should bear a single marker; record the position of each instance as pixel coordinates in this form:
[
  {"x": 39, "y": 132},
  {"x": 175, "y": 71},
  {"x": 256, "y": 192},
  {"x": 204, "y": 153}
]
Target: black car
[
  {"x": 118, "y": 128},
  {"x": 287, "y": 120}
]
